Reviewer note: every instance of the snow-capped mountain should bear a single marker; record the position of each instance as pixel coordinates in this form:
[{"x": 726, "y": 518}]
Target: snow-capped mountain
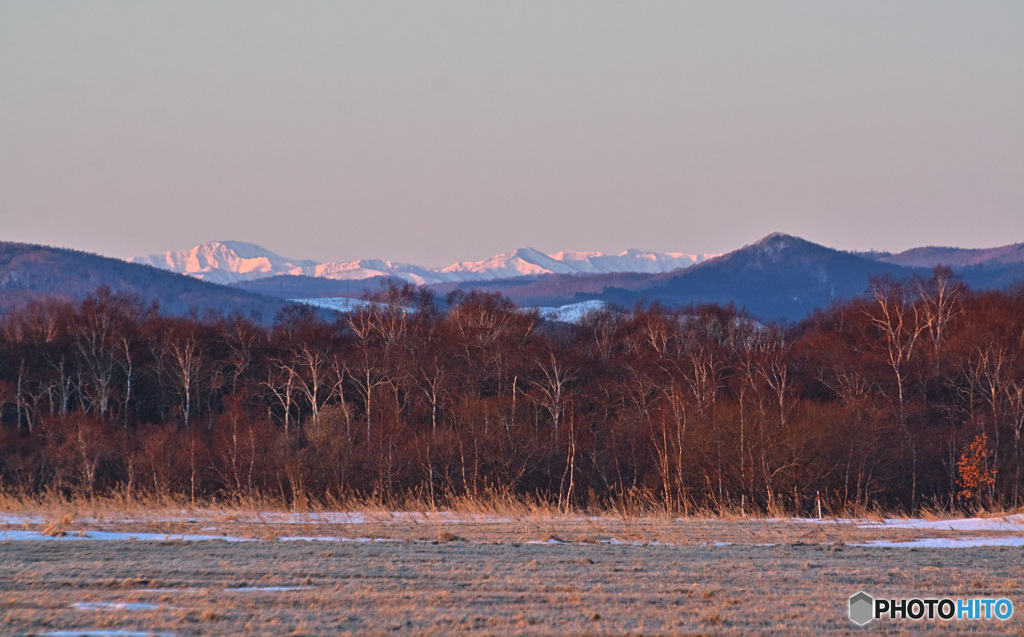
[
  {"x": 226, "y": 262},
  {"x": 232, "y": 261},
  {"x": 527, "y": 261}
]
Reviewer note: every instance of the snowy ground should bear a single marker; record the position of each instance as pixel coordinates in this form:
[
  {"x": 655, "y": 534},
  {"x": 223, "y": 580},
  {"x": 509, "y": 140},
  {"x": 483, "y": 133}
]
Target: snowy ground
[
  {"x": 1000, "y": 531},
  {"x": 393, "y": 526},
  {"x": 336, "y": 303},
  {"x": 526, "y": 584},
  {"x": 102, "y": 571},
  {"x": 571, "y": 313}
]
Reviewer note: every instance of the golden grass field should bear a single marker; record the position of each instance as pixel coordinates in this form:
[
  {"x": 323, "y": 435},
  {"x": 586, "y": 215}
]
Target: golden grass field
[{"x": 470, "y": 572}]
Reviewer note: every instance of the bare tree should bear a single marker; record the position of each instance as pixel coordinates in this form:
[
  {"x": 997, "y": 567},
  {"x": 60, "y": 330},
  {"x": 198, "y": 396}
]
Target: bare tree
[
  {"x": 900, "y": 324},
  {"x": 941, "y": 301},
  {"x": 181, "y": 357},
  {"x": 552, "y": 386},
  {"x": 281, "y": 385}
]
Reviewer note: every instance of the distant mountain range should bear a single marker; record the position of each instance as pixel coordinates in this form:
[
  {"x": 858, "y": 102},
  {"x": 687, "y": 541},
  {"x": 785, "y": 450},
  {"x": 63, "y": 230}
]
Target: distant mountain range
[
  {"x": 954, "y": 257},
  {"x": 234, "y": 261},
  {"x": 778, "y": 277}
]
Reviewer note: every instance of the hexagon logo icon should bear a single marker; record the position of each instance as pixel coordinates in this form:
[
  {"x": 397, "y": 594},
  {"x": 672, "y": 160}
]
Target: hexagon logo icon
[{"x": 862, "y": 608}]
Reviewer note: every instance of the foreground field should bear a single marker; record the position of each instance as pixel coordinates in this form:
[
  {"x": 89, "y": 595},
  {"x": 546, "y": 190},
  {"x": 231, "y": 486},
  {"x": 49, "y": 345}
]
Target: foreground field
[{"x": 443, "y": 573}]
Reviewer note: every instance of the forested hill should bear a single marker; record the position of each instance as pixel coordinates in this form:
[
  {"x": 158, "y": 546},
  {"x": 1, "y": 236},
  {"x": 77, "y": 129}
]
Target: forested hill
[
  {"x": 35, "y": 272},
  {"x": 779, "y": 277},
  {"x": 910, "y": 395}
]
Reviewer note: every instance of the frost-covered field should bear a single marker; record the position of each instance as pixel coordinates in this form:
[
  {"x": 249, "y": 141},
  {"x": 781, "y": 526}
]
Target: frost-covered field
[{"x": 188, "y": 572}]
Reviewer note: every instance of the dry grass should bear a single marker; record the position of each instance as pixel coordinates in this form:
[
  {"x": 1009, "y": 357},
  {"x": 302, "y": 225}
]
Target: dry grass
[
  {"x": 485, "y": 519},
  {"x": 476, "y": 588},
  {"x": 58, "y": 528},
  {"x": 630, "y": 505}
]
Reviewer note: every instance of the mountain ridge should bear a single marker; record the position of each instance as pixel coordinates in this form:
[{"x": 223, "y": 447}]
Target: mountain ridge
[
  {"x": 235, "y": 261},
  {"x": 777, "y": 277},
  {"x": 31, "y": 273},
  {"x": 232, "y": 262},
  {"x": 928, "y": 256}
]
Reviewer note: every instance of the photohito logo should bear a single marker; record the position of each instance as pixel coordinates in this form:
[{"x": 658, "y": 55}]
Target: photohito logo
[{"x": 864, "y": 608}]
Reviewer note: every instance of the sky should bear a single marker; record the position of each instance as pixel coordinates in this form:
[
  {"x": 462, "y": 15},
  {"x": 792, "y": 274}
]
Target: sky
[{"x": 430, "y": 132}]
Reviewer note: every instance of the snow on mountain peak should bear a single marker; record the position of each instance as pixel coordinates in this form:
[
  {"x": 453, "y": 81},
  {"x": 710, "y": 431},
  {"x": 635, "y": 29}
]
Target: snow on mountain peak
[
  {"x": 230, "y": 261},
  {"x": 225, "y": 262},
  {"x": 570, "y": 255}
]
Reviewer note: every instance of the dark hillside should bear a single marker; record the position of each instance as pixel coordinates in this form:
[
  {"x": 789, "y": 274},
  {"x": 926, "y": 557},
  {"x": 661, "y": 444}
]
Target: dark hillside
[{"x": 33, "y": 272}]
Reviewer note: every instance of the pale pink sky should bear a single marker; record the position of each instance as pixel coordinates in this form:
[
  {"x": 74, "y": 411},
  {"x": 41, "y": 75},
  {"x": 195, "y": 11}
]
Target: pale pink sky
[{"x": 434, "y": 132}]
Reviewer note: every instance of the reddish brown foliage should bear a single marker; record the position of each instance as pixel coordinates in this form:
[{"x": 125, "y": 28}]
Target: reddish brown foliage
[{"x": 866, "y": 402}]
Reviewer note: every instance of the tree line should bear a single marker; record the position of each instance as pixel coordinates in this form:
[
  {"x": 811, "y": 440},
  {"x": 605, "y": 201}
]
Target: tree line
[{"x": 910, "y": 395}]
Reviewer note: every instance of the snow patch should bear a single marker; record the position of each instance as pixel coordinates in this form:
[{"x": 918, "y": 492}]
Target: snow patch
[
  {"x": 88, "y": 632},
  {"x": 325, "y": 538},
  {"x": 336, "y": 303},
  {"x": 572, "y": 313},
  {"x": 409, "y": 517},
  {"x": 76, "y": 536},
  {"x": 165, "y": 591},
  {"x": 945, "y": 542},
  {"x": 267, "y": 589},
  {"x": 14, "y": 518},
  {"x": 15, "y": 536},
  {"x": 618, "y": 542},
  {"x": 115, "y": 606},
  {"x": 1002, "y": 523}
]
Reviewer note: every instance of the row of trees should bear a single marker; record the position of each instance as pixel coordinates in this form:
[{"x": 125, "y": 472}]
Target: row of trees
[{"x": 911, "y": 394}]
